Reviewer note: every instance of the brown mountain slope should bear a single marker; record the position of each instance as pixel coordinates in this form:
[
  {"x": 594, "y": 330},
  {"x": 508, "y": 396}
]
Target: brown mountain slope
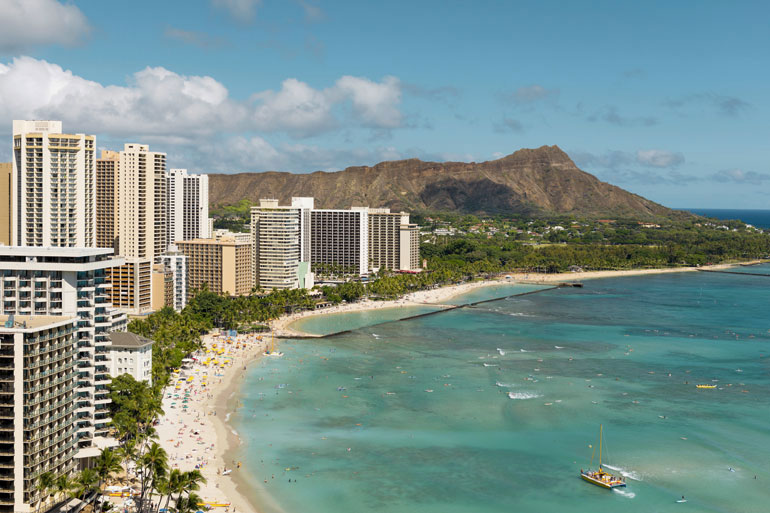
[{"x": 530, "y": 181}]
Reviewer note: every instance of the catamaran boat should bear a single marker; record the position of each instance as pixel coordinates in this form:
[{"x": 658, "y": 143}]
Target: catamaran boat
[{"x": 601, "y": 477}]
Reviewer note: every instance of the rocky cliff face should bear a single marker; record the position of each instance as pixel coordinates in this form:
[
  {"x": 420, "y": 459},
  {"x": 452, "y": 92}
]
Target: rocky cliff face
[{"x": 529, "y": 181}]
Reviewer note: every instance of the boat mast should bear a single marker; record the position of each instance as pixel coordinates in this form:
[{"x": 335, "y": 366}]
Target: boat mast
[{"x": 600, "y": 446}]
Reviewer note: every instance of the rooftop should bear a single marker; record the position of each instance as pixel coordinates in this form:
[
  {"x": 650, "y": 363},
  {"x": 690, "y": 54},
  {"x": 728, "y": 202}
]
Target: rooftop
[
  {"x": 34, "y": 322},
  {"x": 129, "y": 340},
  {"x": 53, "y": 251}
]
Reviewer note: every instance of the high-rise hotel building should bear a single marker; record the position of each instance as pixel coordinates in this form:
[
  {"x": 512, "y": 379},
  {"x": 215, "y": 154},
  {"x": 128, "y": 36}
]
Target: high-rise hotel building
[
  {"x": 38, "y": 406},
  {"x": 6, "y": 200},
  {"x": 281, "y": 244},
  {"x": 69, "y": 282},
  {"x": 141, "y": 228},
  {"x": 188, "y": 206},
  {"x": 106, "y": 192},
  {"x": 394, "y": 242},
  {"x": 339, "y": 242},
  {"x": 224, "y": 266},
  {"x": 54, "y": 198},
  {"x": 141, "y": 232}
]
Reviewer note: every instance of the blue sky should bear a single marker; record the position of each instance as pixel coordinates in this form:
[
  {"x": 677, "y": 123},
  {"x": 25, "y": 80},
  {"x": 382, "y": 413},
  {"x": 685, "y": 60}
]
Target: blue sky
[{"x": 666, "y": 99}]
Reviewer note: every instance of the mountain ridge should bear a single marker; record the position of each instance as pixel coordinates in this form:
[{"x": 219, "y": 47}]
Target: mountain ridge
[{"x": 538, "y": 181}]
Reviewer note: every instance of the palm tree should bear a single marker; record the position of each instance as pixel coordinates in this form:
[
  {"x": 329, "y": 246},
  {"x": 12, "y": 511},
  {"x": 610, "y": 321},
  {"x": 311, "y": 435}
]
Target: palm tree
[
  {"x": 107, "y": 463},
  {"x": 63, "y": 484},
  {"x": 84, "y": 483},
  {"x": 45, "y": 484},
  {"x": 154, "y": 464},
  {"x": 189, "y": 504}
]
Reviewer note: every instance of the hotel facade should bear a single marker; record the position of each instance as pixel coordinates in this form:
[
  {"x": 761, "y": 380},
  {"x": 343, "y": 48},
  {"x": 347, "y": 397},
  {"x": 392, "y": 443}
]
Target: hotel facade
[
  {"x": 54, "y": 196},
  {"x": 187, "y": 201},
  {"x": 281, "y": 239},
  {"x": 38, "y": 406},
  {"x": 224, "y": 266},
  {"x": 70, "y": 282}
]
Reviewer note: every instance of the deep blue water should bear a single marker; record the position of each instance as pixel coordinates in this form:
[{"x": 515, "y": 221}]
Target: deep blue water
[{"x": 758, "y": 218}]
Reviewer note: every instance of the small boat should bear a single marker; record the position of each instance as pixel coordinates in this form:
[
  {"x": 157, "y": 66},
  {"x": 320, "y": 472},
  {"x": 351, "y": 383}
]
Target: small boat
[
  {"x": 705, "y": 386},
  {"x": 601, "y": 477},
  {"x": 272, "y": 351}
]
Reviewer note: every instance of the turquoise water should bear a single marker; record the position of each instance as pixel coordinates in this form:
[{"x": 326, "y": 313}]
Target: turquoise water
[
  {"x": 336, "y": 322},
  {"x": 624, "y": 352},
  {"x": 333, "y": 323}
]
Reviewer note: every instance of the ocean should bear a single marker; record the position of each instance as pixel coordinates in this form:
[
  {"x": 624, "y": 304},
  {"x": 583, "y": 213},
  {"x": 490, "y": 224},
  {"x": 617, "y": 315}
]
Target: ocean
[
  {"x": 496, "y": 408},
  {"x": 758, "y": 218}
]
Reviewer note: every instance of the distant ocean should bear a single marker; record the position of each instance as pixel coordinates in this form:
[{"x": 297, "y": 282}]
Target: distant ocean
[{"x": 758, "y": 218}]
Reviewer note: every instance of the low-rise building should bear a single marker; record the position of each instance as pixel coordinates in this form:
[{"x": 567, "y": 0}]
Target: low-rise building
[{"x": 131, "y": 354}]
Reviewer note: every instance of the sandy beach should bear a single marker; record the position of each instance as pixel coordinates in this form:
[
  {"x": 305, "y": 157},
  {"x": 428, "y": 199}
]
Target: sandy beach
[{"x": 196, "y": 433}]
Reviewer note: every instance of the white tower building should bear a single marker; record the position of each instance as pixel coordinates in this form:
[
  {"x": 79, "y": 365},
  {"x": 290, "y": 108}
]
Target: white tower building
[
  {"x": 54, "y": 196},
  {"x": 188, "y": 206}
]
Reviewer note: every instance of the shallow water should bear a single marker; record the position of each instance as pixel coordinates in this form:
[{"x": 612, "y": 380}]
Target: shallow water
[{"x": 358, "y": 429}]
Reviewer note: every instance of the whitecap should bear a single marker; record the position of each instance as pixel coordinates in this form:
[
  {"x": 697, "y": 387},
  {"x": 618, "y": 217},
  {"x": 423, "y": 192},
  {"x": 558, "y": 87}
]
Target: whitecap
[
  {"x": 523, "y": 395},
  {"x": 490, "y": 364},
  {"x": 625, "y": 472},
  {"x": 523, "y": 351},
  {"x": 505, "y": 385},
  {"x": 624, "y": 493},
  {"x": 559, "y": 347},
  {"x": 502, "y": 353}
]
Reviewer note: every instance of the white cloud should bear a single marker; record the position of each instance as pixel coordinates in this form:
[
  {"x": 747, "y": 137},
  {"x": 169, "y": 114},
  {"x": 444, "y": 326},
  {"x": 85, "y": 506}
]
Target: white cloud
[
  {"x": 195, "y": 117},
  {"x": 240, "y": 10},
  {"x": 296, "y": 108},
  {"x": 659, "y": 158},
  {"x": 30, "y": 23},
  {"x": 375, "y": 103},
  {"x": 158, "y": 102}
]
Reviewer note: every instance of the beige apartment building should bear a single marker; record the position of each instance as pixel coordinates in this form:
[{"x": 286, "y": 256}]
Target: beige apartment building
[
  {"x": 140, "y": 225},
  {"x": 162, "y": 286},
  {"x": 141, "y": 203},
  {"x": 38, "y": 408},
  {"x": 223, "y": 265},
  {"x": 6, "y": 197},
  {"x": 132, "y": 286},
  {"x": 52, "y": 183},
  {"x": 394, "y": 243},
  {"x": 106, "y": 192}
]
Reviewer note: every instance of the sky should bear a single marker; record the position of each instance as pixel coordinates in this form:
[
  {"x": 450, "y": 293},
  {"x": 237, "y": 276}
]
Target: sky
[{"x": 669, "y": 100}]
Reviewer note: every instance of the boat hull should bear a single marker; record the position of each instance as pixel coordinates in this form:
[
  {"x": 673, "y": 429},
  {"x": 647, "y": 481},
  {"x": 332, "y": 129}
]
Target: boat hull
[{"x": 606, "y": 484}]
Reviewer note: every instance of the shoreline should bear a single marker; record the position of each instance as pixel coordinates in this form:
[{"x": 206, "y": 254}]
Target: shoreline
[
  {"x": 435, "y": 297},
  {"x": 187, "y": 435},
  {"x": 222, "y": 397}
]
